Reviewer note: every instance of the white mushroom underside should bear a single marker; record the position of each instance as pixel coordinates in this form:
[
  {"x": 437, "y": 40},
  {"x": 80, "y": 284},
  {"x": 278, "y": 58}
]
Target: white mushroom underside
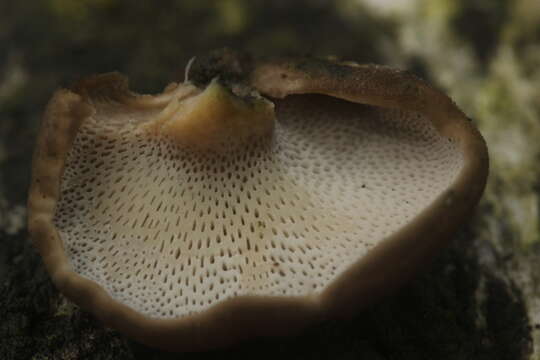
[{"x": 170, "y": 232}]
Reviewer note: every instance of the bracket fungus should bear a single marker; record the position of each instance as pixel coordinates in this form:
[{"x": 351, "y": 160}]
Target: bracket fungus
[{"x": 211, "y": 213}]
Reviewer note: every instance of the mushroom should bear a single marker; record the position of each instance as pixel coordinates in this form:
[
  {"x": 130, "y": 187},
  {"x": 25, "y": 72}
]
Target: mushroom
[{"x": 250, "y": 205}]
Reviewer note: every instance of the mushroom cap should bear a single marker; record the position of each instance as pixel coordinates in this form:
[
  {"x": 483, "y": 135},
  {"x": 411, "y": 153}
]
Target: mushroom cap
[{"x": 203, "y": 216}]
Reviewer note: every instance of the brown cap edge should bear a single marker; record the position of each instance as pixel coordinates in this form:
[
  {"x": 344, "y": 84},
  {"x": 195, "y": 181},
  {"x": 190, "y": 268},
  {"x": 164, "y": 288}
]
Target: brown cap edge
[{"x": 240, "y": 318}]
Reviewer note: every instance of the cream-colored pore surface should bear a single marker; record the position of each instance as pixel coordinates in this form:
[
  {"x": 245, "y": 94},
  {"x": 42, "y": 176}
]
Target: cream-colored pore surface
[{"x": 170, "y": 232}]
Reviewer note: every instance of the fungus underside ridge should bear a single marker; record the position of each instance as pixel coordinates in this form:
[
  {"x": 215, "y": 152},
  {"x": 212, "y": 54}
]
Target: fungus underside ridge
[{"x": 171, "y": 232}]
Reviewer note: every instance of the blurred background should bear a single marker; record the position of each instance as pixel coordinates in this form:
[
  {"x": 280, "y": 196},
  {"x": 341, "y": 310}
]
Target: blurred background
[{"x": 484, "y": 53}]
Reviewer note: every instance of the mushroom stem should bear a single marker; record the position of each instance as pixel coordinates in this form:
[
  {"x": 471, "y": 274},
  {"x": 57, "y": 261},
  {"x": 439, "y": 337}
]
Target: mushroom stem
[{"x": 214, "y": 119}]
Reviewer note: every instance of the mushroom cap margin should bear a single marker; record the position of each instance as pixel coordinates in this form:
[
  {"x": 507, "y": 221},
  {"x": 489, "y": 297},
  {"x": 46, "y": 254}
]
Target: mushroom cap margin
[{"x": 243, "y": 317}]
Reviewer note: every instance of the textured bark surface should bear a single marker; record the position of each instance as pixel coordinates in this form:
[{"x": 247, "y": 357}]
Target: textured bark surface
[{"x": 480, "y": 299}]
